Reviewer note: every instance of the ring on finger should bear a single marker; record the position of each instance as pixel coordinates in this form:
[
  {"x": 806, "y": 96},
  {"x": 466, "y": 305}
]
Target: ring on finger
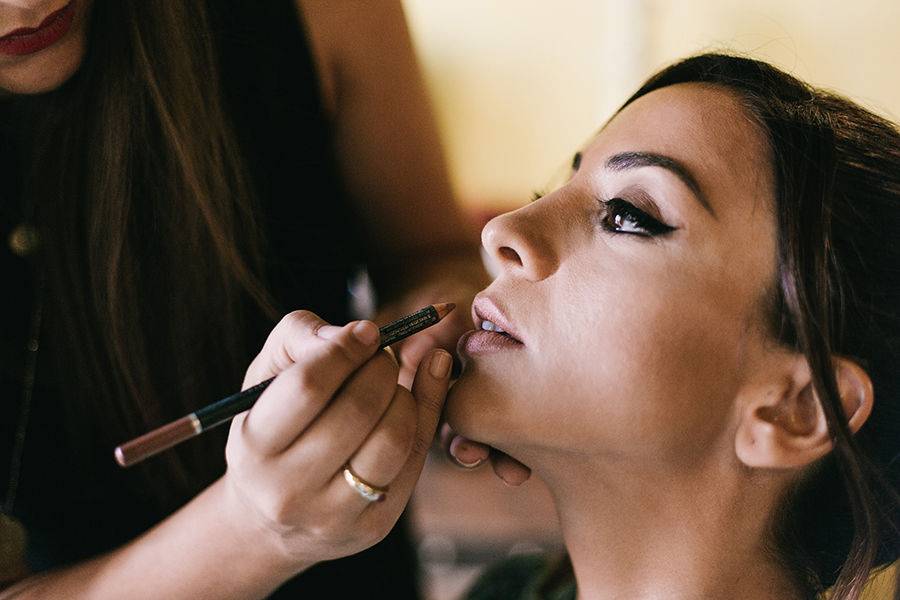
[{"x": 368, "y": 491}]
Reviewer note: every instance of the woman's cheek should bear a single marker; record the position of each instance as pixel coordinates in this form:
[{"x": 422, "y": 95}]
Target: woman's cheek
[
  {"x": 650, "y": 368},
  {"x": 689, "y": 376}
]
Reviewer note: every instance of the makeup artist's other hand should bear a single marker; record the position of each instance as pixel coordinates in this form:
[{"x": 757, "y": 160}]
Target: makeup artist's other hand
[
  {"x": 335, "y": 401},
  {"x": 469, "y": 454}
]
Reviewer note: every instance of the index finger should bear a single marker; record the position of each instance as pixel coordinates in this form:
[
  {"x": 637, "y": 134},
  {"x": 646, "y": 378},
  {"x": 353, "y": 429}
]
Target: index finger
[
  {"x": 320, "y": 366},
  {"x": 297, "y": 335}
]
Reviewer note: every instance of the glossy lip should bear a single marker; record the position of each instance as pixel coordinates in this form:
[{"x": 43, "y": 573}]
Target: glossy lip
[
  {"x": 28, "y": 40},
  {"x": 484, "y": 342},
  {"x": 485, "y": 309}
]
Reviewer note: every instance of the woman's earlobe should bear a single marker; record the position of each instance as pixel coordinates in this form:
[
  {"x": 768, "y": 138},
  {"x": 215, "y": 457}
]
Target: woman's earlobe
[
  {"x": 857, "y": 393},
  {"x": 784, "y": 425}
]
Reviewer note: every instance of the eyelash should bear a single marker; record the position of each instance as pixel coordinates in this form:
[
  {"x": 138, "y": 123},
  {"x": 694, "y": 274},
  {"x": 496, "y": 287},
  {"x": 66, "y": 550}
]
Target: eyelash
[
  {"x": 616, "y": 207},
  {"x": 617, "y": 211}
]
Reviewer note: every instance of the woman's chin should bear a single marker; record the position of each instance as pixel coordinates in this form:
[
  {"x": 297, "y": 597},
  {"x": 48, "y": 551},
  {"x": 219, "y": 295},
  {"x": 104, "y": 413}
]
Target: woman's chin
[
  {"x": 44, "y": 71},
  {"x": 460, "y": 408},
  {"x": 475, "y": 406}
]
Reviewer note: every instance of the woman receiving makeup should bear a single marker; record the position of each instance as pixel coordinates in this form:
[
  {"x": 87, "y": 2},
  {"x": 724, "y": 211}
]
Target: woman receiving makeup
[
  {"x": 698, "y": 346},
  {"x": 174, "y": 177}
]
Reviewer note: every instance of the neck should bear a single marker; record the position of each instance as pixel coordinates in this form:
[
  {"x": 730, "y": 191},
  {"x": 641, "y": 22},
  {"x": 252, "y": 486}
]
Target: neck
[{"x": 664, "y": 533}]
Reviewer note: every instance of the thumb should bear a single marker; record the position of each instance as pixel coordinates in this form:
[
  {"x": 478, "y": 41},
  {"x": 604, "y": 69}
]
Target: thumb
[{"x": 430, "y": 390}]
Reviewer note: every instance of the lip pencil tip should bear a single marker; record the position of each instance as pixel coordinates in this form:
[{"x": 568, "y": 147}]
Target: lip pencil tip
[{"x": 444, "y": 309}]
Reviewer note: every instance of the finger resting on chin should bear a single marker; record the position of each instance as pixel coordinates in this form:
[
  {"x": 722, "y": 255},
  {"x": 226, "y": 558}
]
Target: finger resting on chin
[
  {"x": 511, "y": 471},
  {"x": 468, "y": 454}
]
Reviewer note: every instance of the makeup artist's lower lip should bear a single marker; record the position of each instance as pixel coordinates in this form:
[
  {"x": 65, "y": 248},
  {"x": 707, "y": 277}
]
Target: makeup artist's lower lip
[
  {"x": 479, "y": 341},
  {"x": 54, "y": 27}
]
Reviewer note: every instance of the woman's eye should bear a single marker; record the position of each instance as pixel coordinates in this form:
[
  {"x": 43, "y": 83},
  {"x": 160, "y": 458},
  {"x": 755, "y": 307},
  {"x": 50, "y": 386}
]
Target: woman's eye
[{"x": 621, "y": 216}]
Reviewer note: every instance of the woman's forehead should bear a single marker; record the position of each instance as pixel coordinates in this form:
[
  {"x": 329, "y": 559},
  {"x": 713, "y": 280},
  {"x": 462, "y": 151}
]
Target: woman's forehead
[{"x": 704, "y": 127}]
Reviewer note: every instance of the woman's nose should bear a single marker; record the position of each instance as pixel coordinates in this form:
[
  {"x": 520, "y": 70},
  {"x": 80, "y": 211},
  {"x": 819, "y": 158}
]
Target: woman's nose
[{"x": 518, "y": 242}]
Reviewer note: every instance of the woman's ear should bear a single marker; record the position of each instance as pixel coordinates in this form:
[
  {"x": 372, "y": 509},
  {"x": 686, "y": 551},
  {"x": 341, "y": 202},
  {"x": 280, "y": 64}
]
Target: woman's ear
[{"x": 782, "y": 425}]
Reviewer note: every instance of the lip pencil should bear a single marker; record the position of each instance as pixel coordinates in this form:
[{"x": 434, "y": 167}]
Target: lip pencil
[{"x": 225, "y": 409}]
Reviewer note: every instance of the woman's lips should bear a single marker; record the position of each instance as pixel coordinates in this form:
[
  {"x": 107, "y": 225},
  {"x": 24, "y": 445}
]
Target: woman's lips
[
  {"x": 479, "y": 341},
  {"x": 485, "y": 309},
  {"x": 488, "y": 316},
  {"x": 30, "y": 40}
]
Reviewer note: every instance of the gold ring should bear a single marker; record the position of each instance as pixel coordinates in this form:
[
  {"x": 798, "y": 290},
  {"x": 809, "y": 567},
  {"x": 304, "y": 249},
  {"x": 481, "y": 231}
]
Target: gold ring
[{"x": 364, "y": 489}]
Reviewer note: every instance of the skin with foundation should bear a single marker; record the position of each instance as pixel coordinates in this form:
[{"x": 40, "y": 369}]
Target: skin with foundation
[{"x": 636, "y": 374}]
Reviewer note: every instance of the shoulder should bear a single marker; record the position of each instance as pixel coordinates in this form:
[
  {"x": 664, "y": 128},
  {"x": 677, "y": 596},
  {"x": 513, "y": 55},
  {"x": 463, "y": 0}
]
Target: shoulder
[{"x": 519, "y": 577}]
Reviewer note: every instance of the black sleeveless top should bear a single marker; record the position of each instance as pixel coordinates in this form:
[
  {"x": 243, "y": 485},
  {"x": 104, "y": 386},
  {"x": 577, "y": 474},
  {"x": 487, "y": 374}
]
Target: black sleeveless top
[{"x": 74, "y": 505}]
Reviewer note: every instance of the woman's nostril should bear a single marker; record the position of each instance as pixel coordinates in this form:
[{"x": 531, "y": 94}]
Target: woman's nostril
[{"x": 509, "y": 254}]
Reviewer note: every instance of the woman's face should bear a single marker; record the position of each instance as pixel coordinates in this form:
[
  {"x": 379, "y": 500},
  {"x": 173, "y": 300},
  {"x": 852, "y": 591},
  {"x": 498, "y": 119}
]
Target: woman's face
[
  {"x": 637, "y": 291},
  {"x": 42, "y": 43}
]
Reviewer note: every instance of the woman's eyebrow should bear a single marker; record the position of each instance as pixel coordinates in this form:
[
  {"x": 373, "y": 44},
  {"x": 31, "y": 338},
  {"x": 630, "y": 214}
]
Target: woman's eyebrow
[{"x": 633, "y": 160}]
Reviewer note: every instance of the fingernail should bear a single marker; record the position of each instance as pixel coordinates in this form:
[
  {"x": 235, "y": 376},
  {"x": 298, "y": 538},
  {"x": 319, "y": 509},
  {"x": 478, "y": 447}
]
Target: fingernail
[
  {"x": 392, "y": 354},
  {"x": 440, "y": 364},
  {"x": 464, "y": 454},
  {"x": 470, "y": 465},
  {"x": 366, "y": 332},
  {"x": 512, "y": 484}
]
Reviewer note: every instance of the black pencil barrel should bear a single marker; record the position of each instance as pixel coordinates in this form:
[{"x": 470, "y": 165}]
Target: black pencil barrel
[
  {"x": 408, "y": 325},
  {"x": 226, "y": 408}
]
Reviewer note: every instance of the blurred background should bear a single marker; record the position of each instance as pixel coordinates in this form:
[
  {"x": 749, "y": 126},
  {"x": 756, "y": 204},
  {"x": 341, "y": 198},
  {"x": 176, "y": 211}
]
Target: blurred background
[{"x": 518, "y": 86}]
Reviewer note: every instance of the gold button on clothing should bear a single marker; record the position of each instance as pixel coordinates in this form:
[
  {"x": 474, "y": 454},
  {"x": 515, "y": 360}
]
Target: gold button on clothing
[{"x": 24, "y": 240}]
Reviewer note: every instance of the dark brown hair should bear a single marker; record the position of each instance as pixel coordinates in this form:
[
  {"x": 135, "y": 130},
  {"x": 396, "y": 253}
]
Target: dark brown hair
[
  {"x": 151, "y": 253},
  {"x": 836, "y": 168}
]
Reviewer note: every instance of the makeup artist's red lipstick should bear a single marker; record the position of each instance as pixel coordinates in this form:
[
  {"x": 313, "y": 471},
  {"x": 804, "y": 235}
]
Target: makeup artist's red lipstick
[{"x": 29, "y": 40}]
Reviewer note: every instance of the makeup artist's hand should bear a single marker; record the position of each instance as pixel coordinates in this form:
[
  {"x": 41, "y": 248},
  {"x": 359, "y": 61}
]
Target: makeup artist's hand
[
  {"x": 469, "y": 454},
  {"x": 411, "y": 351},
  {"x": 450, "y": 281},
  {"x": 335, "y": 401}
]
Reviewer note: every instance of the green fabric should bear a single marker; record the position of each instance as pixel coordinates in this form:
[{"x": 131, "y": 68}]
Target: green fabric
[{"x": 521, "y": 578}]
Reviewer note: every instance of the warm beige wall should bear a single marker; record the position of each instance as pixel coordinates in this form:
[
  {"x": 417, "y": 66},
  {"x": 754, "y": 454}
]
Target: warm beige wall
[
  {"x": 850, "y": 46},
  {"x": 520, "y": 84}
]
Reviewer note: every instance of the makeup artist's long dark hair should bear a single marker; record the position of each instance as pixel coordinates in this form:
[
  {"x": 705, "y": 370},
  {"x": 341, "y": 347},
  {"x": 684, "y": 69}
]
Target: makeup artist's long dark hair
[
  {"x": 837, "y": 206},
  {"x": 151, "y": 253}
]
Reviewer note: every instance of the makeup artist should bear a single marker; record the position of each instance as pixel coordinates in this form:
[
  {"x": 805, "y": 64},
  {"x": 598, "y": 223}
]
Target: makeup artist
[{"x": 174, "y": 177}]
